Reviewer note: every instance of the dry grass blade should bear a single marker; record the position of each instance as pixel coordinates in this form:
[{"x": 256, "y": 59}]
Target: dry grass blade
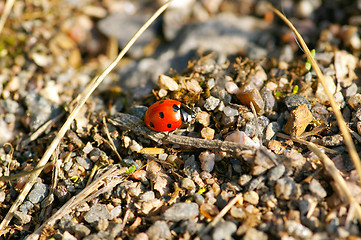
[
  {"x": 89, "y": 191},
  {"x": 7, "y": 9},
  {"x": 333, "y": 171},
  {"x": 340, "y": 121},
  {"x": 83, "y": 97}
]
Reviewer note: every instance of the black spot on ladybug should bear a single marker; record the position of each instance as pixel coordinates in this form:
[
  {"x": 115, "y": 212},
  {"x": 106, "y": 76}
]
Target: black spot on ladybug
[
  {"x": 151, "y": 125},
  {"x": 161, "y": 114},
  {"x": 169, "y": 125},
  {"x": 175, "y": 108},
  {"x": 161, "y": 102}
]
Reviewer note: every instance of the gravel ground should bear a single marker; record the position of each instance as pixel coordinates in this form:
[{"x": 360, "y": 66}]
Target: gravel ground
[{"x": 241, "y": 169}]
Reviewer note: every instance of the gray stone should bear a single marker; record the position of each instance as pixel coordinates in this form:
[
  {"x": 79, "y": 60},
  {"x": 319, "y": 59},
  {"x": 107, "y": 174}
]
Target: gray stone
[
  {"x": 181, "y": 211},
  {"x": 271, "y": 130},
  {"x": 149, "y": 195},
  {"x": 297, "y": 230},
  {"x": 275, "y": 173},
  {"x": 211, "y": 103},
  {"x": 84, "y": 162},
  {"x": 115, "y": 212},
  {"x": 286, "y": 188},
  {"x": 97, "y": 212},
  {"x": 199, "y": 199},
  {"x": 80, "y": 230},
  {"x": 22, "y": 217},
  {"x": 293, "y": 101},
  {"x": 26, "y": 206},
  {"x": 39, "y": 109},
  {"x": 224, "y": 230},
  {"x": 38, "y": 193},
  {"x": 317, "y": 189},
  {"x": 159, "y": 230},
  {"x": 270, "y": 102}
]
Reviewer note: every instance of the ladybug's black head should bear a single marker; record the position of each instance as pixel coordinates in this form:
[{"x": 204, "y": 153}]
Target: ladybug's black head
[{"x": 187, "y": 114}]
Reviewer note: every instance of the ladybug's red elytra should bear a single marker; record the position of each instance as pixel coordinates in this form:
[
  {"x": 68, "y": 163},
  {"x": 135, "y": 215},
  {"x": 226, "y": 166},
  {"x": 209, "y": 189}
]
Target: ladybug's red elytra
[{"x": 167, "y": 115}]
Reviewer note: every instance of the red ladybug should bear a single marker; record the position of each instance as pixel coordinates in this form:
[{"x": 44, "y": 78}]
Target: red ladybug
[{"x": 167, "y": 115}]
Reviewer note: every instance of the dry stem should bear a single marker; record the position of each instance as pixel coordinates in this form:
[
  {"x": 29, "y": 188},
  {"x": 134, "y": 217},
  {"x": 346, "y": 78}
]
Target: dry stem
[{"x": 82, "y": 99}]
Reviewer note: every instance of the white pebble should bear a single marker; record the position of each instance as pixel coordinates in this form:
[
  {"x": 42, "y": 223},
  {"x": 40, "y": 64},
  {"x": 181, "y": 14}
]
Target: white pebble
[
  {"x": 207, "y": 160},
  {"x": 241, "y": 138},
  {"x": 134, "y": 146},
  {"x": 167, "y": 83},
  {"x": 231, "y": 88},
  {"x": 230, "y": 112},
  {"x": 88, "y": 148}
]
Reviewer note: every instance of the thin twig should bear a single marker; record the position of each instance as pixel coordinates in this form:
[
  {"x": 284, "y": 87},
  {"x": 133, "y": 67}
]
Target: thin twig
[
  {"x": 7, "y": 9},
  {"x": 83, "y": 97},
  {"x": 135, "y": 124},
  {"x": 333, "y": 171},
  {"x": 111, "y": 142},
  {"x": 340, "y": 121}
]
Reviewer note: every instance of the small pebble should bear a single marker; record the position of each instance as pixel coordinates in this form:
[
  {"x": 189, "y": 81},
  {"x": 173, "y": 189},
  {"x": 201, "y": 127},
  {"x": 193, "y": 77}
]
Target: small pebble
[
  {"x": 254, "y": 234},
  {"x": 321, "y": 94},
  {"x": 271, "y": 130},
  {"x": 286, "y": 188},
  {"x": 317, "y": 189},
  {"x": 297, "y": 230},
  {"x": 207, "y": 160},
  {"x": 211, "y": 103},
  {"x": 230, "y": 112},
  {"x": 148, "y": 195},
  {"x": 181, "y": 211},
  {"x": 26, "y": 206},
  {"x": 22, "y": 217},
  {"x": 276, "y": 173},
  {"x": 80, "y": 230},
  {"x": 199, "y": 199},
  {"x": 251, "y": 197},
  {"x": 115, "y": 212},
  {"x": 2, "y": 197},
  {"x": 298, "y": 120},
  {"x": 351, "y": 90},
  {"x": 193, "y": 86},
  {"x": 207, "y": 133},
  {"x": 188, "y": 184},
  {"x": 249, "y": 93},
  {"x": 102, "y": 225},
  {"x": 244, "y": 179},
  {"x": 296, "y": 100},
  {"x": 84, "y": 162},
  {"x": 96, "y": 213},
  {"x": 139, "y": 175},
  {"x": 224, "y": 230},
  {"x": 135, "y": 146},
  {"x": 203, "y": 118},
  {"x": 241, "y": 138},
  {"x": 355, "y": 101},
  {"x": 231, "y": 87},
  {"x": 38, "y": 193},
  {"x": 141, "y": 236},
  {"x": 159, "y": 230},
  {"x": 237, "y": 212},
  {"x": 167, "y": 83},
  {"x": 68, "y": 236},
  {"x": 270, "y": 102}
]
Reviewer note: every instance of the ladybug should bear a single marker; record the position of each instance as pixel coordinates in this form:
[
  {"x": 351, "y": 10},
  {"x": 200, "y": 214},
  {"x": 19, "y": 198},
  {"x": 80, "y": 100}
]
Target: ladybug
[{"x": 167, "y": 115}]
